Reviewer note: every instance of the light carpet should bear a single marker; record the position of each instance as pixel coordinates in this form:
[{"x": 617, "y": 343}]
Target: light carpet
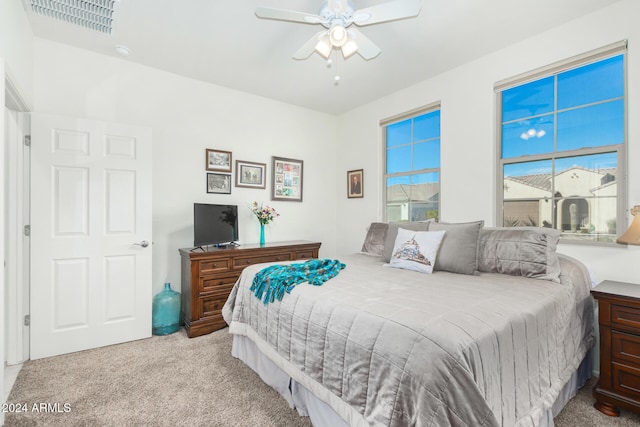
[{"x": 173, "y": 380}]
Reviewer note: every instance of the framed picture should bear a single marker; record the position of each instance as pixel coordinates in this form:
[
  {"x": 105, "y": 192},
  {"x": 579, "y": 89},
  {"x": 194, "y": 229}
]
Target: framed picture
[
  {"x": 250, "y": 174},
  {"x": 286, "y": 179},
  {"x": 219, "y": 183},
  {"x": 218, "y": 160},
  {"x": 355, "y": 186}
]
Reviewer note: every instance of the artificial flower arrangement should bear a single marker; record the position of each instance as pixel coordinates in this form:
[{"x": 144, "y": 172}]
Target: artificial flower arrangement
[{"x": 265, "y": 214}]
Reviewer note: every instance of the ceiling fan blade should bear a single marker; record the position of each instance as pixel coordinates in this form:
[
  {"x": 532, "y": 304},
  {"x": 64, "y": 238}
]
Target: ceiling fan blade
[
  {"x": 366, "y": 48},
  {"x": 287, "y": 15},
  {"x": 309, "y": 47},
  {"x": 398, "y": 9}
]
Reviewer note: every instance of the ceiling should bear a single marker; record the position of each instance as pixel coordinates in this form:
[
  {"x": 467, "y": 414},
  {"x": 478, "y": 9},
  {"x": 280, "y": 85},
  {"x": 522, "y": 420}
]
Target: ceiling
[{"x": 224, "y": 43}]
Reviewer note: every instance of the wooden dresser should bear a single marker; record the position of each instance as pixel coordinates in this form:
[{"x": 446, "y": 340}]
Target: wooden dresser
[
  {"x": 619, "y": 323},
  {"x": 209, "y": 275}
]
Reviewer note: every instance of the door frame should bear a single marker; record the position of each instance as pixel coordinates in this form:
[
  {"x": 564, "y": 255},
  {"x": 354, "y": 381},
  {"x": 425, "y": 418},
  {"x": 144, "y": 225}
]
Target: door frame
[{"x": 16, "y": 304}]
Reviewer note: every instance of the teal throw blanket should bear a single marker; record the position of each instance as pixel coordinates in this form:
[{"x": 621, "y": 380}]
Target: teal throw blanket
[{"x": 275, "y": 280}]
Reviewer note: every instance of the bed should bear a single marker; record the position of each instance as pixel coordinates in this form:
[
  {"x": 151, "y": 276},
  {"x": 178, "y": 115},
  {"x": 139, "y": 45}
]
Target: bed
[{"x": 499, "y": 334}]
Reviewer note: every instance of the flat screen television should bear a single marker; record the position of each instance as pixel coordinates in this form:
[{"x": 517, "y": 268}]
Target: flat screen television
[{"x": 214, "y": 224}]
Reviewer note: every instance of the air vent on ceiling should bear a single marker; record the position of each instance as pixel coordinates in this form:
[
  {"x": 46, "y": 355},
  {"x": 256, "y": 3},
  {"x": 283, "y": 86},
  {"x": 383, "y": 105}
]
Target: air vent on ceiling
[{"x": 92, "y": 14}]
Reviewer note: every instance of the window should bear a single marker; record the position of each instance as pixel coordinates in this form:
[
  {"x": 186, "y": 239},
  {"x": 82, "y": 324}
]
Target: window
[
  {"x": 562, "y": 149},
  {"x": 412, "y": 166}
]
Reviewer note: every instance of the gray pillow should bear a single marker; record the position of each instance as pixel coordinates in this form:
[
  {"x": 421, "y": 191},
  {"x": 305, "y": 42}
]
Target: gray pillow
[
  {"x": 459, "y": 249},
  {"x": 374, "y": 240},
  {"x": 520, "y": 251},
  {"x": 392, "y": 233}
]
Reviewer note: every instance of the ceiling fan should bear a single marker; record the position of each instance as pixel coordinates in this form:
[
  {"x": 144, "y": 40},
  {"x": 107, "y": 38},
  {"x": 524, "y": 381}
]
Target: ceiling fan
[{"x": 337, "y": 16}]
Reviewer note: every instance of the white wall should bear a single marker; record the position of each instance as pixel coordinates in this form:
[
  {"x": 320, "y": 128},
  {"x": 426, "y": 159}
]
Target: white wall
[
  {"x": 15, "y": 47},
  {"x": 186, "y": 117},
  {"x": 3, "y": 226},
  {"x": 468, "y": 147}
]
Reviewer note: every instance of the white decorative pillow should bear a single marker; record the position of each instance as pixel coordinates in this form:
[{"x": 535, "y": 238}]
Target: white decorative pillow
[
  {"x": 416, "y": 250},
  {"x": 392, "y": 233}
]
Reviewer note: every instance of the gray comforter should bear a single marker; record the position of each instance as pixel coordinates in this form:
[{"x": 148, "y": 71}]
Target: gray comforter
[{"x": 393, "y": 347}]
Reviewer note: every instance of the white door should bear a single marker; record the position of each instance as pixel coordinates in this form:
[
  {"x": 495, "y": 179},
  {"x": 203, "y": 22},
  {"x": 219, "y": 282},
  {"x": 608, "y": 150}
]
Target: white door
[{"x": 90, "y": 234}]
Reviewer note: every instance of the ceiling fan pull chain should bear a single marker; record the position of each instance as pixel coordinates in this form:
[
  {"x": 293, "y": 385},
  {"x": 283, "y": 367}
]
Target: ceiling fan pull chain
[{"x": 336, "y": 79}]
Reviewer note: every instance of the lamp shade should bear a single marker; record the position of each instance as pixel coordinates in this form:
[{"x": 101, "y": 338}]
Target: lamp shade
[{"x": 632, "y": 235}]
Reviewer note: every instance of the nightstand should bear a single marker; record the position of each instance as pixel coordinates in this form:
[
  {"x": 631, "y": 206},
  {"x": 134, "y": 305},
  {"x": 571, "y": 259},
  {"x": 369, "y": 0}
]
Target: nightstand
[{"x": 619, "y": 322}]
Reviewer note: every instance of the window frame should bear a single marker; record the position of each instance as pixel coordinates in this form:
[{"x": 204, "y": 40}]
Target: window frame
[
  {"x": 609, "y": 51},
  {"x": 383, "y": 124}
]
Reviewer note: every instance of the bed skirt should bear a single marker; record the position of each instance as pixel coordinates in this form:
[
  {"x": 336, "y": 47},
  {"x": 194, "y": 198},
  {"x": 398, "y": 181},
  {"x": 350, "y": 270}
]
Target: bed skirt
[{"x": 321, "y": 414}]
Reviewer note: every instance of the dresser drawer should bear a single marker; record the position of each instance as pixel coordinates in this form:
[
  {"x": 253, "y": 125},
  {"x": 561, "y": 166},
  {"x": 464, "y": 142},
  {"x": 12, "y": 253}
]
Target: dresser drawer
[
  {"x": 214, "y": 266},
  {"x": 308, "y": 254},
  {"x": 625, "y": 315},
  {"x": 241, "y": 262},
  {"x": 211, "y": 304},
  {"x": 213, "y": 283},
  {"x": 626, "y": 380},
  {"x": 625, "y": 348}
]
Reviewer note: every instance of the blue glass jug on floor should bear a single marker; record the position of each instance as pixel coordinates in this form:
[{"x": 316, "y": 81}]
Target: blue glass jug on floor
[{"x": 166, "y": 311}]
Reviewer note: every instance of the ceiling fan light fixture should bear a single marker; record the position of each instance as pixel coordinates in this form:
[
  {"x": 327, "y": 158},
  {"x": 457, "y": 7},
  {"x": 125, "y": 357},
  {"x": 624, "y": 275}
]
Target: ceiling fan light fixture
[
  {"x": 338, "y": 35},
  {"x": 349, "y": 48},
  {"x": 324, "y": 47}
]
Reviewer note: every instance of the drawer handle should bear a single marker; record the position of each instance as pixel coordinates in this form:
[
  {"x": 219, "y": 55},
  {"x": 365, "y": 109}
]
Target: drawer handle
[{"x": 248, "y": 261}]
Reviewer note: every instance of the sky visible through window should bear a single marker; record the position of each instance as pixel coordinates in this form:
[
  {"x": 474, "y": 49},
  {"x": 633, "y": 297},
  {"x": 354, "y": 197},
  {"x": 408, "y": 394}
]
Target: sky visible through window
[
  {"x": 576, "y": 109},
  {"x": 413, "y": 145}
]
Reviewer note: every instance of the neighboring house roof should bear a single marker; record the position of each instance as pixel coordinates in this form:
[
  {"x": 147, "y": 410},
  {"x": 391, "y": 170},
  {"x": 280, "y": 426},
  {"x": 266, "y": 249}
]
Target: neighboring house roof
[
  {"x": 428, "y": 192},
  {"x": 543, "y": 181},
  {"x": 540, "y": 181}
]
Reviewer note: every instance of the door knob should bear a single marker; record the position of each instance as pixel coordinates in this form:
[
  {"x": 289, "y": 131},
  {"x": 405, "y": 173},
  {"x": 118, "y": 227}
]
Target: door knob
[{"x": 144, "y": 244}]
